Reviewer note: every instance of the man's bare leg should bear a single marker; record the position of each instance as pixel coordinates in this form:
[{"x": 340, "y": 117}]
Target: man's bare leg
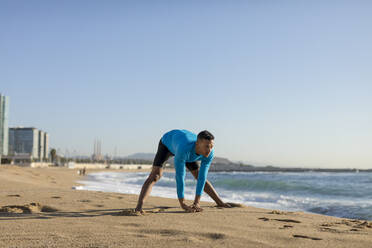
[
  {"x": 154, "y": 176},
  {"x": 208, "y": 188}
]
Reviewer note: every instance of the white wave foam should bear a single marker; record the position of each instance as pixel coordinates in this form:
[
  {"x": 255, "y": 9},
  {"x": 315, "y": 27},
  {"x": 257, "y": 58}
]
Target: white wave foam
[{"x": 131, "y": 183}]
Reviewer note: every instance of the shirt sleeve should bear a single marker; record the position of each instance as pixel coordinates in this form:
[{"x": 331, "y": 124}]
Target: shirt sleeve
[
  {"x": 179, "y": 165},
  {"x": 203, "y": 171}
]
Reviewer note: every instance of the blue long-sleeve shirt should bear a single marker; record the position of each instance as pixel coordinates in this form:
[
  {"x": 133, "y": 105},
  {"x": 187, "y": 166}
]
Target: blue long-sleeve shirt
[{"x": 182, "y": 144}]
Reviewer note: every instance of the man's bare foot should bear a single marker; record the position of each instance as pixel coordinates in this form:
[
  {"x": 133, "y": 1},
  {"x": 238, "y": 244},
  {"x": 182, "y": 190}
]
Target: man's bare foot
[
  {"x": 131, "y": 212},
  {"x": 224, "y": 205},
  {"x": 139, "y": 211},
  {"x": 188, "y": 209},
  {"x": 197, "y": 207}
]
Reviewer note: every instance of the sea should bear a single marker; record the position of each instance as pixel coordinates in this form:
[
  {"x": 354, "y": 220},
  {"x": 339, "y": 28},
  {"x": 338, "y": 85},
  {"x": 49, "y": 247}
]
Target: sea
[{"x": 346, "y": 195}]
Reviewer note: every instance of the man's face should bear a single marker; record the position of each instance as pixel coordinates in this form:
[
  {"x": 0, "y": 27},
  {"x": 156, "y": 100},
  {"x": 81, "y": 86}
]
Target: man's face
[{"x": 204, "y": 147}]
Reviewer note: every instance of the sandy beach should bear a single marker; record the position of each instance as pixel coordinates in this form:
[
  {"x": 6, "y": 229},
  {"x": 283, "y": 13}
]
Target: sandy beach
[{"x": 40, "y": 208}]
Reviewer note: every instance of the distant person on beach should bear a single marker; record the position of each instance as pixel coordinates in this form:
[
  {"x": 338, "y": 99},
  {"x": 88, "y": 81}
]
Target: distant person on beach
[
  {"x": 81, "y": 172},
  {"x": 187, "y": 149}
]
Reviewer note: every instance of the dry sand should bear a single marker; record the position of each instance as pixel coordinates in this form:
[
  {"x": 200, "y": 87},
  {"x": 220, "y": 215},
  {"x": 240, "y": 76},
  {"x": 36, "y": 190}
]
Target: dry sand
[{"x": 39, "y": 208}]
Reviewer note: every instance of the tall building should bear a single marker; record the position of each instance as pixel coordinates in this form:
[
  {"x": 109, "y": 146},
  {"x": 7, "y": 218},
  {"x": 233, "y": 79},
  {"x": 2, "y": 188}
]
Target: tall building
[
  {"x": 28, "y": 141},
  {"x": 97, "y": 155},
  {"x": 46, "y": 146},
  {"x": 41, "y": 145},
  {"x": 4, "y": 112}
]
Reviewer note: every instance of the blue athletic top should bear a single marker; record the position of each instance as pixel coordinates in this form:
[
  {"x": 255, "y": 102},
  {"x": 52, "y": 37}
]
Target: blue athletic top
[{"x": 182, "y": 144}]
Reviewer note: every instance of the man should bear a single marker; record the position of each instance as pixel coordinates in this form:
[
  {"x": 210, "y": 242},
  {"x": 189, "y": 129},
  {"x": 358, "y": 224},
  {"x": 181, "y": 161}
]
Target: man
[{"x": 187, "y": 149}]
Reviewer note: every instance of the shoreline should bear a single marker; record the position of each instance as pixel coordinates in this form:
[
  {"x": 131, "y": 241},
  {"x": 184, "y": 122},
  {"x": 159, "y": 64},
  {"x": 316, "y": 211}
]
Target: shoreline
[
  {"x": 107, "y": 181},
  {"x": 63, "y": 217}
]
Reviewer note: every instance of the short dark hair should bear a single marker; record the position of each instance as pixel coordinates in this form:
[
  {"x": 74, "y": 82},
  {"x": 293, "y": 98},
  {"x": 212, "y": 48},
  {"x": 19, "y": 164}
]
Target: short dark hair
[{"x": 205, "y": 135}]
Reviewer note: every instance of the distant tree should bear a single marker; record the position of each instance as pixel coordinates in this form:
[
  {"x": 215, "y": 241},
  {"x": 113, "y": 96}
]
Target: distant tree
[{"x": 53, "y": 155}]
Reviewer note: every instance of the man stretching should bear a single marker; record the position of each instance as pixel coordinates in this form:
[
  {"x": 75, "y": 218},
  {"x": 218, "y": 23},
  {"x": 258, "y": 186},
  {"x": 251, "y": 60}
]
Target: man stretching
[{"x": 187, "y": 149}]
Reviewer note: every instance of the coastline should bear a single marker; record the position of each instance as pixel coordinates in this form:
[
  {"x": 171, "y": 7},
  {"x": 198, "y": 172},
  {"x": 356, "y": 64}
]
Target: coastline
[{"x": 64, "y": 217}]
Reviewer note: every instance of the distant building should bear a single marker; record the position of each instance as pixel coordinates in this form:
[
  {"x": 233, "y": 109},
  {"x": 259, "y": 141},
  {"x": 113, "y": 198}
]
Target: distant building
[
  {"x": 97, "y": 155},
  {"x": 28, "y": 142},
  {"x": 41, "y": 144},
  {"x": 4, "y": 115},
  {"x": 46, "y": 146}
]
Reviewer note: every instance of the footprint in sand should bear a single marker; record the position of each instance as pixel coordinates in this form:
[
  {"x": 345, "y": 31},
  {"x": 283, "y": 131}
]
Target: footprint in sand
[
  {"x": 214, "y": 236},
  {"x": 13, "y": 196},
  {"x": 16, "y": 209},
  {"x": 345, "y": 226},
  {"x": 27, "y": 208},
  {"x": 288, "y": 220},
  {"x": 331, "y": 230},
  {"x": 282, "y": 220},
  {"x": 191, "y": 240},
  {"x": 133, "y": 212},
  {"x": 167, "y": 232},
  {"x": 181, "y": 235},
  {"x": 306, "y": 237},
  {"x": 286, "y": 227},
  {"x": 363, "y": 224},
  {"x": 173, "y": 232},
  {"x": 132, "y": 224},
  {"x": 141, "y": 236}
]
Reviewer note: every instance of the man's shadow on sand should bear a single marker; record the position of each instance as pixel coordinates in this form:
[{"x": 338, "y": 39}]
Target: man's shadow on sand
[
  {"x": 84, "y": 214},
  {"x": 21, "y": 212}
]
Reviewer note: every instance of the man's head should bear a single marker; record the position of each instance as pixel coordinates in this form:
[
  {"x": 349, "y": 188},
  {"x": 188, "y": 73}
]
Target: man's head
[{"x": 204, "y": 143}]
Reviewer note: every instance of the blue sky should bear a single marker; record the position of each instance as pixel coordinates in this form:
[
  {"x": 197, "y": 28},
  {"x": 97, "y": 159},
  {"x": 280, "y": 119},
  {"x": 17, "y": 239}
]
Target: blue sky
[{"x": 277, "y": 82}]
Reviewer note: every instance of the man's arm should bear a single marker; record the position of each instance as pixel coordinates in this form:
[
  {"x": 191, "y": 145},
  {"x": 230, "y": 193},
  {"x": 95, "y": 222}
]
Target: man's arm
[
  {"x": 179, "y": 165},
  {"x": 202, "y": 177}
]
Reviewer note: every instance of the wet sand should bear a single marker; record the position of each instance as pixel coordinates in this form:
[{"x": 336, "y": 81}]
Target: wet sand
[{"x": 40, "y": 208}]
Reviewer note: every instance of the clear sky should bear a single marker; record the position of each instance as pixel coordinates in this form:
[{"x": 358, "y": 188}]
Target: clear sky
[{"x": 286, "y": 83}]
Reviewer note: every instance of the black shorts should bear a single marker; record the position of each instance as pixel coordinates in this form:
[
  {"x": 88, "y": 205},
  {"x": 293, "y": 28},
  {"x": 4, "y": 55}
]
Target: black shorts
[{"x": 163, "y": 154}]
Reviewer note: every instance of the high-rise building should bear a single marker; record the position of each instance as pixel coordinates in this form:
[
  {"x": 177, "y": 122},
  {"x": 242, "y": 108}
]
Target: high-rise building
[
  {"x": 28, "y": 141},
  {"x": 41, "y": 144},
  {"x": 4, "y": 112},
  {"x": 46, "y": 146}
]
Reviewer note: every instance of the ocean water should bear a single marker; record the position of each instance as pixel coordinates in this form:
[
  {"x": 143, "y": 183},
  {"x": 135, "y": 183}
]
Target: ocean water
[{"x": 347, "y": 195}]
